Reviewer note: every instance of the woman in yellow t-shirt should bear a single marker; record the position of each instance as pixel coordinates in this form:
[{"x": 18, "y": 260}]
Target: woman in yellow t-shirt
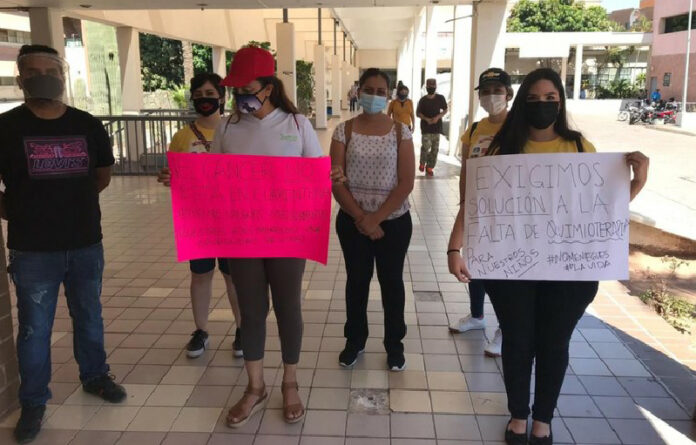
[
  {"x": 401, "y": 108},
  {"x": 208, "y": 98},
  {"x": 537, "y": 318},
  {"x": 494, "y": 91}
]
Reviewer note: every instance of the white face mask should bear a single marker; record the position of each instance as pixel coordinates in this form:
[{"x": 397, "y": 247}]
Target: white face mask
[{"x": 494, "y": 104}]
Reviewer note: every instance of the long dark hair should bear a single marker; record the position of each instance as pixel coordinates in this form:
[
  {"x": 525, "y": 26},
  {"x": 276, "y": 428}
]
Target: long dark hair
[
  {"x": 514, "y": 133},
  {"x": 279, "y": 97}
]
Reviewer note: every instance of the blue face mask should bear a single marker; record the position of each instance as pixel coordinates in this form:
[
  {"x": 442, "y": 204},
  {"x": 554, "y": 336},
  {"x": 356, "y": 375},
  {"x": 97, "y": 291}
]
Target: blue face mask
[{"x": 372, "y": 104}]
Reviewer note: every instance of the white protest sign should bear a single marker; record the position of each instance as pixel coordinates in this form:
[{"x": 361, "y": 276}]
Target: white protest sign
[{"x": 561, "y": 217}]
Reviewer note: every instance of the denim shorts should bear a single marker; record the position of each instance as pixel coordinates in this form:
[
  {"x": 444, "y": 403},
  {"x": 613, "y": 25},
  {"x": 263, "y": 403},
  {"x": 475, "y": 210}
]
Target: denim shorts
[{"x": 205, "y": 265}]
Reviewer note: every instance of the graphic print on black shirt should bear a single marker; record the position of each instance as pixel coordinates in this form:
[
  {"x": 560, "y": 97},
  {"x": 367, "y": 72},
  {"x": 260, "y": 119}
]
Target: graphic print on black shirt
[
  {"x": 49, "y": 168},
  {"x": 56, "y": 156}
]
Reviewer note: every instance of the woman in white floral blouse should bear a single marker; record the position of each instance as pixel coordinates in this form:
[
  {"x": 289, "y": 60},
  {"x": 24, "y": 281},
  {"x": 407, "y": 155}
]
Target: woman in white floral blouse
[{"x": 374, "y": 223}]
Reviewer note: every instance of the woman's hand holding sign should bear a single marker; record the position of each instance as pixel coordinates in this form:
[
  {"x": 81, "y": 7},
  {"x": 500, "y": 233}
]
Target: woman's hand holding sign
[
  {"x": 639, "y": 164},
  {"x": 165, "y": 177}
]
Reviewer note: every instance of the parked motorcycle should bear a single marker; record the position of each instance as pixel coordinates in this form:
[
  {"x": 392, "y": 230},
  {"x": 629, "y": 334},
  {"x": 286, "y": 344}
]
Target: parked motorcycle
[
  {"x": 667, "y": 111},
  {"x": 645, "y": 114},
  {"x": 625, "y": 112}
]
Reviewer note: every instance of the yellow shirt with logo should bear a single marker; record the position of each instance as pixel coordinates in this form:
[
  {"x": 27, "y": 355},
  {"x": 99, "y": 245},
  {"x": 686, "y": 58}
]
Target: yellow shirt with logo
[
  {"x": 402, "y": 111},
  {"x": 558, "y": 145},
  {"x": 186, "y": 141},
  {"x": 480, "y": 139}
]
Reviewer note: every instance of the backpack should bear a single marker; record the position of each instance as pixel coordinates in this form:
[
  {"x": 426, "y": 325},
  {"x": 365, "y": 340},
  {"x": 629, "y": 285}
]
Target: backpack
[{"x": 348, "y": 130}]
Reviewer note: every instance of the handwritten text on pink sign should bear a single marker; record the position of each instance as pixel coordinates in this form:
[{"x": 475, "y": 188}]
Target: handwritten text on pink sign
[{"x": 240, "y": 206}]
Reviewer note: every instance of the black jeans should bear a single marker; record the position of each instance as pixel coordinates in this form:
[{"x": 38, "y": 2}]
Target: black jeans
[
  {"x": 477, "y": 293},
  {"x": 537, "y": 319},
  {"x": 361, "y": 254}
]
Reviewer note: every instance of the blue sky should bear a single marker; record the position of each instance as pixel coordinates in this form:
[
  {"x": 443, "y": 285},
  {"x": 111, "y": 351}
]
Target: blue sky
[{"x": 612, "y": 5}]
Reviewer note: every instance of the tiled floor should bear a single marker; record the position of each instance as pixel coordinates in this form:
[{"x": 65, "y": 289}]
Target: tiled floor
[{"x": 450, "y": 394}]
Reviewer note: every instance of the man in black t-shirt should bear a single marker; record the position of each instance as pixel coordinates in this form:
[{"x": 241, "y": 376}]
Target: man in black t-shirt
[
  {"x": 54, "y": 161},
  {"x": 431, "y": 108}
]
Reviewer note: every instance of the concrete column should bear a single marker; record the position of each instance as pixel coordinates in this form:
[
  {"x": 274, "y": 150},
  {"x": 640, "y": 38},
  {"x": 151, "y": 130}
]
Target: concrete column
[
  {"x": 219, "y": 62},
  {"x": 430, "y": 43},
  {"x": 408, "y": 62},
  {"x": 564, "y": 70},
  {"x": 418, "y": 44},
  {"x": 577, "y": 82},
  {"x": 47, "y": 28},
  {"x": 128, "y": 40},
  {"x": 461, "y": 57},
  {"x": 285, "y": 36},
  {"x": 487, "y": 44},
  {"x": 346, "y": 82},
  {"x": 400, "y": 62},
  {"x": 320, "y": 85},
  {"x": 336, "y": 84}
]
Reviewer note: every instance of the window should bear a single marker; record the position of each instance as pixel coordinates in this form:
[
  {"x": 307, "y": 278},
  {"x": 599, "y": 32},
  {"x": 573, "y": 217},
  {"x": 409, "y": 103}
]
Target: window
[
  {"x": 12, "y": 36},
  {"x": 679, "y": 23},
  {"x": 7, "y": 81},
  {"x": 667, "y": 79}
]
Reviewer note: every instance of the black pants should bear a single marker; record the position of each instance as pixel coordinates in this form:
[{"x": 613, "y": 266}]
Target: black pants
[
  {"x": 477, "y": 293},
  {"x": 353, "y": 104},
  {"x": 252, "y": 277},
  {"x": 537, "y": 319},
  {"x": 361, "y": 254}
]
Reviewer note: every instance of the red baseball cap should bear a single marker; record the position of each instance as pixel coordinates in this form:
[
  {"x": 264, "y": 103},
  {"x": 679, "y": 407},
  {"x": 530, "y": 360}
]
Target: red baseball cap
[{"x": 248, "y": 64}]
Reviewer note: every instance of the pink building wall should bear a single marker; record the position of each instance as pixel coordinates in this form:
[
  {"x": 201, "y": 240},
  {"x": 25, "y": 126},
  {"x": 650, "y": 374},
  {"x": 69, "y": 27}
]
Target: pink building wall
[{"x": 669, "y": 51}]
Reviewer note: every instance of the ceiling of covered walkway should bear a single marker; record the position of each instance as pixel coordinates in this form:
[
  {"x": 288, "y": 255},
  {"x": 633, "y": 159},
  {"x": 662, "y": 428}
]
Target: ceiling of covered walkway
[{"x": 370, "y": 24}]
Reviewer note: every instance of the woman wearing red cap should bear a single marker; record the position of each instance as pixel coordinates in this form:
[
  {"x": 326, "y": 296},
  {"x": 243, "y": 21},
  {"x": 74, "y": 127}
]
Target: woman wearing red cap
[{"x": 266, "y": 123}]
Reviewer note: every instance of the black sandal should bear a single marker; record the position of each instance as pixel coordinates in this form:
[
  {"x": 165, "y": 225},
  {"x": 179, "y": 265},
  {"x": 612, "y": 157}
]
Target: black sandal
[{"x": 512, "y": 438}]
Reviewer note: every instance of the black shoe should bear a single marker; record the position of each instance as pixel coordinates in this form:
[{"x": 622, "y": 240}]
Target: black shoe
[
  {"x": 106, "y": 388},
  {"x": 546, "y": 440},
  {"x": 29, "y": 423},
  {"x": 396, "y": 362},
  {"x": 349, "y": 356},
  {"x": 237, "y": 344},
  {"x": 198, "y": 343},
  {"x": 512, "y": 438}
]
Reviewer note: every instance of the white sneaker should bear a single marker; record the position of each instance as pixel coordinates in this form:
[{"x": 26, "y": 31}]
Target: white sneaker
[
  {"x": 468, "y": 323},
  {"x": 494, "y": 347}
]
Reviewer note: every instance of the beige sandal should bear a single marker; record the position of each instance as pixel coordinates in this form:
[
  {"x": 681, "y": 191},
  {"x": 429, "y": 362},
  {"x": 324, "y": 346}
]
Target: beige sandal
[
  {"x": 236, "y": 411},
  {"x": 288, "y": 410}
]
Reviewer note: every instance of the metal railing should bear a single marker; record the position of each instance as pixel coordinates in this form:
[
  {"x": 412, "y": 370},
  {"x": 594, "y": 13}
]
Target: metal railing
[{"x": 140, "y": 143}]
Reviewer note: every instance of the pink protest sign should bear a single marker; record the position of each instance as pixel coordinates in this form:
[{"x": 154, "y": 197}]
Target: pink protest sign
[{"x": 240, "y": 206}]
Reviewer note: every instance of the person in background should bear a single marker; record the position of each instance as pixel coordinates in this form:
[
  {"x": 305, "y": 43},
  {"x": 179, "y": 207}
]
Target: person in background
[
  {"x": 374, "y": 223},
  {"x": 401, "y": 108},
  {"x": 431, "y": 108},
  {"x": 656, "y": 96},
  {"x": 538, "y": 317},
  {"x": 208, "y": 98},
  {"x": 54, "y": 162},
  {"x": 495, "y": 91},
  {"x": 353, "y": 97}
]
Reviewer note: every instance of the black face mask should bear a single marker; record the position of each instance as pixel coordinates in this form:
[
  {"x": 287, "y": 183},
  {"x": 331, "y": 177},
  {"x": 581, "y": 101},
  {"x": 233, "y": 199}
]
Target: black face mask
[
  {"x": 402, "y": 97},
  {"x": 206, "y": 106},
  {"x": 43, "y": 86},
  {"x": 541, "y": 115},
  {"x": 431, "y": 90}
]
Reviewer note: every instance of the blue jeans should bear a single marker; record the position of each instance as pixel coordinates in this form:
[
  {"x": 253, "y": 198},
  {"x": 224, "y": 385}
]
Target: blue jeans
[{"x": 37, "y": 277}]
